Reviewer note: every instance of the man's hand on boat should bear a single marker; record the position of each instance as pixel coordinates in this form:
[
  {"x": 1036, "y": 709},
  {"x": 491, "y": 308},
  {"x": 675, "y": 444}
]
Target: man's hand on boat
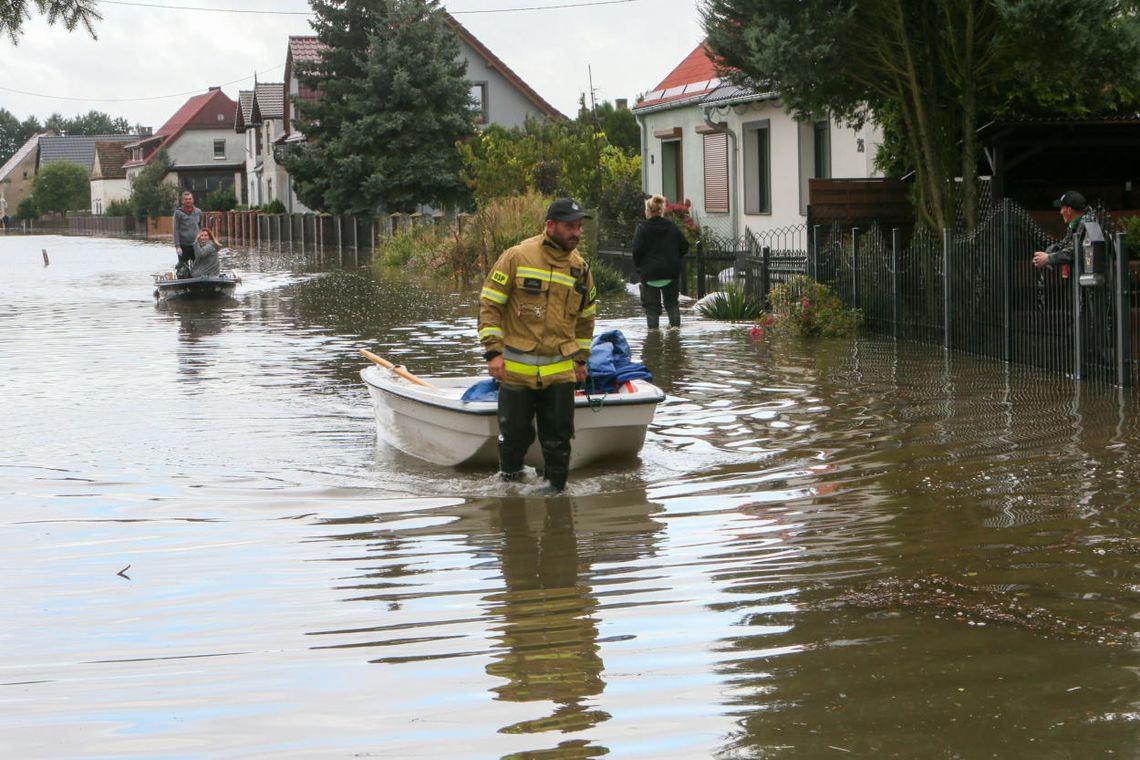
[{"x": 496, "y": 368}]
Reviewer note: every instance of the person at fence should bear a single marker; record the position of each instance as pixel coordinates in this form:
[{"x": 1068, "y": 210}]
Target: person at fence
[
  {"x": 536, "y": 321},
  {"x": 206, "y": 262},
  {"x": 658, "y": 247},
  {"x": 1072, "y": 206},
  {"x": 3, "y": 213},
  {"x": 185, "y": 225}
]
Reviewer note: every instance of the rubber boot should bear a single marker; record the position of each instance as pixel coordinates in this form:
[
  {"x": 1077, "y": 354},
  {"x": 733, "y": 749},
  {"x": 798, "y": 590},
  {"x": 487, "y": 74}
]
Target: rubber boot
[
  {"x": 516, "y": 429},
  {"x": 674, "y": 316},
  {"x": 653, "y": 321},
  {"x": 555, "y": 416}
]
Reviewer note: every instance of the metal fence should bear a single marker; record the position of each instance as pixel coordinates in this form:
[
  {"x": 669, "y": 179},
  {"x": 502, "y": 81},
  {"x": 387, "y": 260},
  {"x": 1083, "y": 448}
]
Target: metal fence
[{"x": 979, "y": 292}]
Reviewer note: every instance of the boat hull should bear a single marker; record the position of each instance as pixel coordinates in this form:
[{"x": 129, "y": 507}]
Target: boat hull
[
  {"x": 434, "y": 425},
  {"x": 195, "y": 288}
]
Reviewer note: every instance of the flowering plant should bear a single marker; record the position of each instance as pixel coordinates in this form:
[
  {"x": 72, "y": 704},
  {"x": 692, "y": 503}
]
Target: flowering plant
[
  {"x": 805, "y": 307},
  {"x": 678, "y": 213}
]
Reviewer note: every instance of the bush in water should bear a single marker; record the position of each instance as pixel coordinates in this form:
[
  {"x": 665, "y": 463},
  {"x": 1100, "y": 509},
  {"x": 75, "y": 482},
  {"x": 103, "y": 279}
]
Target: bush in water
[{"x": 805, "y": 307}]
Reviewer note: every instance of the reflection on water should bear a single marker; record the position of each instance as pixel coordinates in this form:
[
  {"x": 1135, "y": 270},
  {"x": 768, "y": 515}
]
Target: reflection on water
[{"x": 860, "y": 548}]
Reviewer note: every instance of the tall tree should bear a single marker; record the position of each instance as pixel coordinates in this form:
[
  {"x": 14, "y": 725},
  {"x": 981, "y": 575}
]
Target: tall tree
[
  {"x": 90, "y": 123},
  {"x": 151, "y": 195},
  {"x": 61, "y": 186},
  {"x": 72, "y": 13},
  {"x": 934, "y": 68},
  {"x": 14, "y": 133},
  {"x": 393, "y": 102}
]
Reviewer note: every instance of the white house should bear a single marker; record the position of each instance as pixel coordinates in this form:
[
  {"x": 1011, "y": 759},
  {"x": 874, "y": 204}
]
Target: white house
[
  {"x": 260, "y": 119},
  {"x": 109, "y": 181},
  {"x": 740, "y": 159},
  {"x": 199, "y": 138}
]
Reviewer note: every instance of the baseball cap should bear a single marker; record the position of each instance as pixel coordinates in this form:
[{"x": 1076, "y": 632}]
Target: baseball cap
[
  {"x": 566, "y": 210},
  {"x": 1071, "y": 198}
]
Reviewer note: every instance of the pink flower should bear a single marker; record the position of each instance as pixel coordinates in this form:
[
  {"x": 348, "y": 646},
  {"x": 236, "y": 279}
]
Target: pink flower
[
  {"x": 804, "y": 304},
  {"x": 767, "y": 320},
  {"x": 756, "y": 333}
]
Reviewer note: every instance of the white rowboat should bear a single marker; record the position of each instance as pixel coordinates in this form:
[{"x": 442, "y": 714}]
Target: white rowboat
[{"x": 432, "y": 423}]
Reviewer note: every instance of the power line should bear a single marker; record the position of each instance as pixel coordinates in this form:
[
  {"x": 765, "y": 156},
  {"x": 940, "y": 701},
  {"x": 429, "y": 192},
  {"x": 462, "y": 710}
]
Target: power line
[
  {"x": 561, "y": 6},
  {"x": 139, "y": 100}
]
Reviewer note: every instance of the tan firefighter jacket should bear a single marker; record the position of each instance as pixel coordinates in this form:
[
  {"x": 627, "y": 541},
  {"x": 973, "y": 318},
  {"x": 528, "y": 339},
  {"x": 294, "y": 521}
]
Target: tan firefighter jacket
[{"x": 537, "y": 308}]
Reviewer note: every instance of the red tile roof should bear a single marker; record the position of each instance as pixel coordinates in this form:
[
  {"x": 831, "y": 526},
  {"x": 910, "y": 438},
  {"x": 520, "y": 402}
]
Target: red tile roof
[
  {"x": 210, "y": 110},
  {"x": 694, "y": 76}
]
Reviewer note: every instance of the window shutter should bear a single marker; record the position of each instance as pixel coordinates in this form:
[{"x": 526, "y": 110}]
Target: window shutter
[{"x": 716, "y": 173}]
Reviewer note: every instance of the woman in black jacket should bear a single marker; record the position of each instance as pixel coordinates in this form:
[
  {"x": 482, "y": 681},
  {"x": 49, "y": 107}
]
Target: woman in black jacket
[{"x": 658, "y": 246}]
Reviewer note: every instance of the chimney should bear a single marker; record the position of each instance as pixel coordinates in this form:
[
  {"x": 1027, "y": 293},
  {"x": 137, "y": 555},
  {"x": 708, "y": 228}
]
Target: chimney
[{"x": 620, "y": 104}]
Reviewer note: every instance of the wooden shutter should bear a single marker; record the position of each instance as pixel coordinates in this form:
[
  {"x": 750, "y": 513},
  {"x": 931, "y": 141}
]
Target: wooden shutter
[{"x": 716, "y": 173}]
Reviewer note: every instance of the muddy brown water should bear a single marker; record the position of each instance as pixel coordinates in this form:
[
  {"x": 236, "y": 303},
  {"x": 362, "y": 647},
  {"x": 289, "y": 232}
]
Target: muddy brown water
[{"x": 853, "y": 548}]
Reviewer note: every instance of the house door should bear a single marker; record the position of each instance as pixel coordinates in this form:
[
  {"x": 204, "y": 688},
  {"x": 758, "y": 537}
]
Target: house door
[{"x": 672, "y": 186}]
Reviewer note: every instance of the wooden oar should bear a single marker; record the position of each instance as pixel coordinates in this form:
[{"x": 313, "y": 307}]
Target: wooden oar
[{"x": 398, "y": 370}]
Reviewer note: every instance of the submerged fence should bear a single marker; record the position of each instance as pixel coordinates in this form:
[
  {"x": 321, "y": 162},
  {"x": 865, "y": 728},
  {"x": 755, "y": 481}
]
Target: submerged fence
[{"x": 979, "y": 292}]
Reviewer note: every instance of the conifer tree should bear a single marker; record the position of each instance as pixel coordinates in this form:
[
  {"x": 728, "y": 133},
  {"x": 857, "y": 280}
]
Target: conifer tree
[{"x": 393, "y": 101}]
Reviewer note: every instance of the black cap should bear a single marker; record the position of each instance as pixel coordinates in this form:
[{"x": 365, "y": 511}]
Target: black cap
[
  {"x": 1073, "y": 199},
  {"x": 566, "y": 210}
]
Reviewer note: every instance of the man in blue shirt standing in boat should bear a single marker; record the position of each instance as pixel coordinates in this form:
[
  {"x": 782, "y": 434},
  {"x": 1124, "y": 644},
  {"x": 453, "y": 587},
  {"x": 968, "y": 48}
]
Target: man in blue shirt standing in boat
[{"x": 536, "y": 321}]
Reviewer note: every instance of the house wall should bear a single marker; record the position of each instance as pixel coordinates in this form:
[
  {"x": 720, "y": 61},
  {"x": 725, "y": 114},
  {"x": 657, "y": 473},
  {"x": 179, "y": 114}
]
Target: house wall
[
  {"x": 17, "y": 185},
  {"x": 196, "y": 148},
  {"x": 505, "y": 106},
  {"x": 791, "y": 159},
  {"x": 104, "y": 191}
]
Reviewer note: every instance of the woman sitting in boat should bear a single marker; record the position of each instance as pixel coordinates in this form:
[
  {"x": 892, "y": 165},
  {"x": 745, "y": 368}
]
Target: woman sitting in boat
[{"x": 206, "y": 262}]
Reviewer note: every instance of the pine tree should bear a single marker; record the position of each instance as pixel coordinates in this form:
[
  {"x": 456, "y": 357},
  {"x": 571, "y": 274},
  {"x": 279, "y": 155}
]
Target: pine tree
[{"x": 393, "y": 101}]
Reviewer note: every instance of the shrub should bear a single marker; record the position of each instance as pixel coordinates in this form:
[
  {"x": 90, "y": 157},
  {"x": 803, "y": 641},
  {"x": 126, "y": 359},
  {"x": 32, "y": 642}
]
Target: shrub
[
  {"x": 678, "y": 213},
  {"x": 606, "y": 278},
  {"x": 1131, "y": 227},
  {"x": 733, "y": 304},
  {"x": 274, "y": 206},
  {"x": 222, "y": 199},
  {"x": 27, "y": 209},
  {"x": 119, "y": 207},
  {"x": 412, "y": 248},
  {"x": 805, "y": 307}
]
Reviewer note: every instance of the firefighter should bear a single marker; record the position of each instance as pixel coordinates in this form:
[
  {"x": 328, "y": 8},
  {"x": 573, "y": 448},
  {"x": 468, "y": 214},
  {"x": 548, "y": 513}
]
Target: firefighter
[{"x": 536, "y": 319}]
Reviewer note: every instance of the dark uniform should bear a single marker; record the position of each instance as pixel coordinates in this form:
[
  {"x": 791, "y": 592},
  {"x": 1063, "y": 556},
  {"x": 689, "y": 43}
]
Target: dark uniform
[{"x": 537, "y": 310}]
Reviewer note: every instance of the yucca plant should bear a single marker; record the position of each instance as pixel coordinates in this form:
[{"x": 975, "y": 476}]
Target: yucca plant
[{"x": 733, "y": 304}]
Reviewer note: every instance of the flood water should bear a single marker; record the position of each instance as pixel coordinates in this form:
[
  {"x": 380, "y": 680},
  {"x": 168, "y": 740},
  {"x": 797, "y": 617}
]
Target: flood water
[{"x": 854, "y": 548}]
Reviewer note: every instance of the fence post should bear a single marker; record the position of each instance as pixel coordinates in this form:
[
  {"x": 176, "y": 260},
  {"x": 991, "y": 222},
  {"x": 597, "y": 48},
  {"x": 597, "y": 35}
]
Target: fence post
[
  {"x": 896, "y": 294},
  {"x": 854, "y": 267},
  {"x": 700, "y": 269},
  {"x": 1123, "y": 314},
  {"x": 1007, "y": 274},
  {"x": 766, "y": 282},
  {"x": 947, "y": 314},
  {"x": 813, "y": 251},
  {"x": 1078, "y": 311}
]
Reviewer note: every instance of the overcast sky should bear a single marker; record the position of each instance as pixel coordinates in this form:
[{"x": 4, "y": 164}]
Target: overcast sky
[{"x": 151, "y": 55}]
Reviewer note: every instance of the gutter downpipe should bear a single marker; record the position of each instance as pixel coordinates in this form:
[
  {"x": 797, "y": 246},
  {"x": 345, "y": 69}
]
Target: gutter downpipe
[
  {"x": 644, "y": 153},
  {"x": 733, "y": 206}
]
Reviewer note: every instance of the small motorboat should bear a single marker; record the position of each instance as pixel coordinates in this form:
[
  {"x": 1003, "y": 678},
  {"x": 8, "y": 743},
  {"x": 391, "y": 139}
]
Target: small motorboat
[
  {"x": 167, "y": 287},
  {"x": 427, "y": 418}
]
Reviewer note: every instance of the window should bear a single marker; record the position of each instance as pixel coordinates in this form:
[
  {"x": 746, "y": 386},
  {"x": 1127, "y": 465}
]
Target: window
[
  {"x": 672, "y": 184},
  {"x": 256, "y": 145},
  {"x": 479, "y": 102},
  {"x": 219, "y": 149},
  {"x": 757, "y": 168},
  {"x": 822, "y": 149},
  {"x": 815, "y": 156},
  {"x": 716, "y": 173}
]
